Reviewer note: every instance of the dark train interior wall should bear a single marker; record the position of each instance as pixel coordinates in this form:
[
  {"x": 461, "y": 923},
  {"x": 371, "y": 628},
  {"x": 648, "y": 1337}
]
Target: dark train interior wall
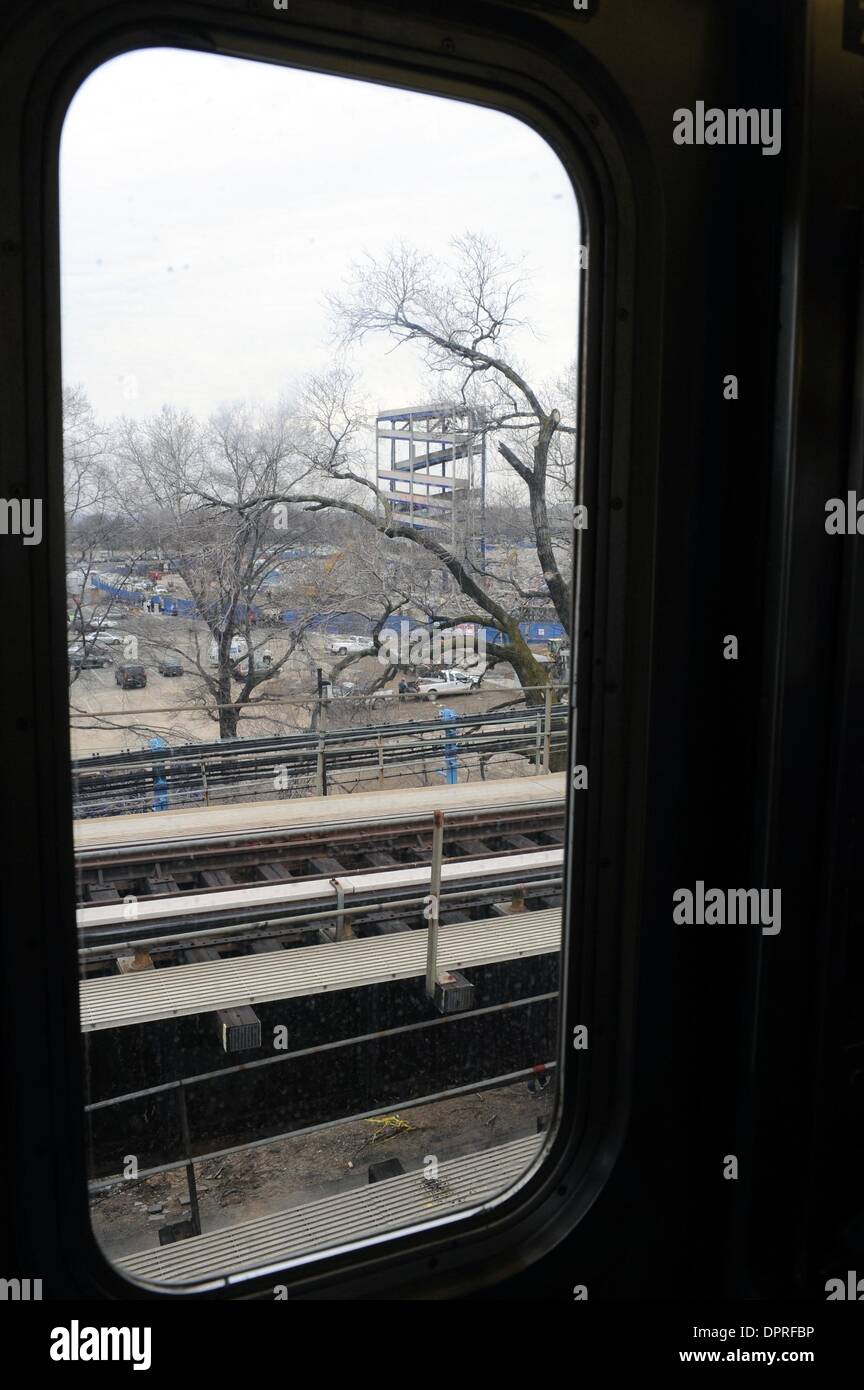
[
  {"x": 743, "y": 1044},
  {"x": 750, "y": 1048}
]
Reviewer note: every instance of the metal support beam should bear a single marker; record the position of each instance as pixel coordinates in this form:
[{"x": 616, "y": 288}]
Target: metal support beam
[
  {"x": 321, "y": 751},
  {"x": 434, "y": 908},
  {"x": 547, "y": 732},
  {"x": 190, "y": 1166}
]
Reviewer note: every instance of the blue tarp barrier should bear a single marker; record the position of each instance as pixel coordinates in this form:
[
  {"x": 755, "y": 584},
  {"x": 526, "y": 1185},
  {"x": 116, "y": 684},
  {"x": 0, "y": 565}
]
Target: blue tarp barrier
[{"x": 350, "y": 623}]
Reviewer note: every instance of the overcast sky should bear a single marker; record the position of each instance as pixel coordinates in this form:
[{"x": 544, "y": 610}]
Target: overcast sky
[{"x": 208, "y": 204}]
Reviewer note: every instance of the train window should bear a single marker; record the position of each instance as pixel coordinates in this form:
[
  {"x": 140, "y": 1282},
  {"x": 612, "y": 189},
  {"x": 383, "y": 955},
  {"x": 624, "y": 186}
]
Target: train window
[{"x": 320, "y": 429}]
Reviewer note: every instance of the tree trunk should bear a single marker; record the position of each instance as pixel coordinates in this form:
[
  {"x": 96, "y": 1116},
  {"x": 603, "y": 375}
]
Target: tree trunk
[
  {"x": 534, "y": 678},
  {"x": 229, "y": 714}
]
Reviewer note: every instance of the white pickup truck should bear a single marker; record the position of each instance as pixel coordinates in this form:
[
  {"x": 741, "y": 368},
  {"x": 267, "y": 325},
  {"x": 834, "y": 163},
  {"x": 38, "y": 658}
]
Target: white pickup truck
[
  {"x": 449, "y": 682},
  {"x": 342, "y": 646}
]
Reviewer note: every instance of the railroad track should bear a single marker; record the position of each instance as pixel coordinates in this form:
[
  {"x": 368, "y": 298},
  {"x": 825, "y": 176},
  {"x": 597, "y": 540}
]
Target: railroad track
[
  {"x": 375, "y": 903},
  {"x": 292, "y": 870},
  {"x": 123, "y": 783},
  {"x": 170, "y": 868}
]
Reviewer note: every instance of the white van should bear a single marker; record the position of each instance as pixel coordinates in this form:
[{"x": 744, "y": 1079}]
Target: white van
[{"x": 238, "y": 649}]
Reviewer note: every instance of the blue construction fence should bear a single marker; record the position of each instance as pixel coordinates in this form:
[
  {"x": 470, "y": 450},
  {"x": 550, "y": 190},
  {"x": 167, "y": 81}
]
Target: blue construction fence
[{"x": 348, "y": 623}]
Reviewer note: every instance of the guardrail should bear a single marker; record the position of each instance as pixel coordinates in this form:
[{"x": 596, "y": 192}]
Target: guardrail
[{"x": 313, "y": 761}]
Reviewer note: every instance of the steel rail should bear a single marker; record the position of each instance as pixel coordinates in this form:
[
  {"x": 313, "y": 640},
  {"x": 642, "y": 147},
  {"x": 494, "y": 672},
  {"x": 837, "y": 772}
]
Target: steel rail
[
  {"x": 333, "y": 828},
  {"x": 539, "y": 887}
]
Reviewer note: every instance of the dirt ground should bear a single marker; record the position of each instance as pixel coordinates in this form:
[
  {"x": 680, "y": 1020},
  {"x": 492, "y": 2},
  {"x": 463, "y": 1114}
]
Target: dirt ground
[
  {"x": 107, "y": 719},
  {"x": 295, "y": 1171}
]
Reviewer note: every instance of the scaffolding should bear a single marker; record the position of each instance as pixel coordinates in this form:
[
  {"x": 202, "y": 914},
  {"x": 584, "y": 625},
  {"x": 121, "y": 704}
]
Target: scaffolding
[{"x": 431, "y": 466}]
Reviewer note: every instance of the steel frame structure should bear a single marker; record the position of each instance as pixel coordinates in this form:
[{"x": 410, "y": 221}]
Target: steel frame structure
[{"x": 431, "y": 468}]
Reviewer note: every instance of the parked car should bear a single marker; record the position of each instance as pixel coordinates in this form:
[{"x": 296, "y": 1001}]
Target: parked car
[
  {"x": 89, "y": 647},
  {"x": 88, "y": 661},
  {"x": 450, "y": 682},
  {"x": 131, "y": 676},
  {"x": 170, "y": 668},
  {"x": 342, "y": 646}
]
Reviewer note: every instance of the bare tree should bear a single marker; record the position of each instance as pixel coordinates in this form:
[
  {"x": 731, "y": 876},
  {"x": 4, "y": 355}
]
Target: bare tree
[
  {"x": 92, "y": 513},
  {"x": 461, "y": 317},
  {"x": 200, "y": 489}
]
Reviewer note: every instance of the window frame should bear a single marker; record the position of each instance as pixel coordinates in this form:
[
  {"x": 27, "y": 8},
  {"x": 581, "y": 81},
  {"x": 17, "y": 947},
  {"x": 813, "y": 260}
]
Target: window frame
[{"x": 540, "y": 74}]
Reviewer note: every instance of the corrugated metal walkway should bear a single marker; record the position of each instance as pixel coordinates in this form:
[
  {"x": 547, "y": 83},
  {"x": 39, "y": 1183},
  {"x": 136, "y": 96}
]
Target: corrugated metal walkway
[
  {"x": 337, "y": 1220},
  {"x": 118, "y": 1001}
]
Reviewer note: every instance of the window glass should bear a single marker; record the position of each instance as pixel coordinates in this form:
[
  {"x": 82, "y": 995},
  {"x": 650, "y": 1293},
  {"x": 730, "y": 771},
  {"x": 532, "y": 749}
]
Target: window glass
[{"x": 319, "y": 415}]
